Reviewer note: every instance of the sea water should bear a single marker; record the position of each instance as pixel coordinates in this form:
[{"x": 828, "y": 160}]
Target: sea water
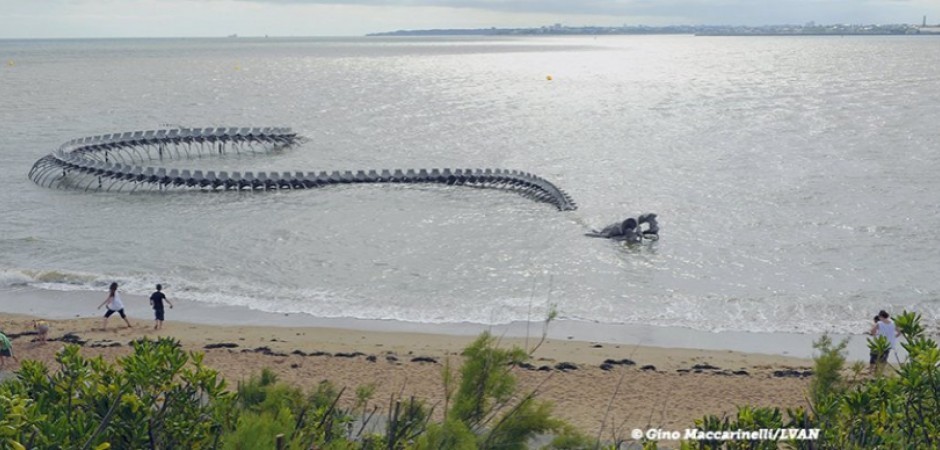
[{"x": 795, "y": 178}]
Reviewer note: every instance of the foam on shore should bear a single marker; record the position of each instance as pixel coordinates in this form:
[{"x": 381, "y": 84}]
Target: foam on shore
[{"x": 82, "y": 304}]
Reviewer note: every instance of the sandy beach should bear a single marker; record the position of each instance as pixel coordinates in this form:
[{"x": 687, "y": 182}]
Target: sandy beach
[{"x": 659, "y": 387}]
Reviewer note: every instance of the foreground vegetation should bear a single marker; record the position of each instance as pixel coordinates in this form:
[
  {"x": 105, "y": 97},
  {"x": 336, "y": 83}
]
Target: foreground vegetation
[
  {"x": 899, "y": 409},
  {"x": 161, "y": 397}
]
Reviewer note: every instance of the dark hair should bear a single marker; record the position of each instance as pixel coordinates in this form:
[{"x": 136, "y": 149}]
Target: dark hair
[
  {"x": 159, "y": 286},
  {"x": 883, "y": 314},
  {"x": 877, "y": 319},
  {"x": 113, "y": 287}
]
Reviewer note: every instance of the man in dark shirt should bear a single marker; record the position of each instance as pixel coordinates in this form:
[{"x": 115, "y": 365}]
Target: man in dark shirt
[{"x": 156, "y": 300}]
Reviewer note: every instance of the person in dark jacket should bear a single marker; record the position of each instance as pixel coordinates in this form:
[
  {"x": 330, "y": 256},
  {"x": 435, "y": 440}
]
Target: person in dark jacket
[{"x": 156, "y": 301}]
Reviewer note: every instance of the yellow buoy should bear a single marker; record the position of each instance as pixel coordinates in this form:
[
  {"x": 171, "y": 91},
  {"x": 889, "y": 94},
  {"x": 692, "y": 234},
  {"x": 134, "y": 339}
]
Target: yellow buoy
[
  {"x": 10, "y": 63},
  {"x": 548, "y": 77}
]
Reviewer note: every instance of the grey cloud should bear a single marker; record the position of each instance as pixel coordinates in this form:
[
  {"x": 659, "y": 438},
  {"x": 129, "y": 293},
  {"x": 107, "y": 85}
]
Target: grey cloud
[{"x": 696, "y": 11}]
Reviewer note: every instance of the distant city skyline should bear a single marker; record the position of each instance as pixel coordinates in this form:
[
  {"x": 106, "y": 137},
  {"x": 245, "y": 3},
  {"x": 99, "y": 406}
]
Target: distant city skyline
[
  {"x": 808, "y": 29},
  {"x": 205, "y": 18}
]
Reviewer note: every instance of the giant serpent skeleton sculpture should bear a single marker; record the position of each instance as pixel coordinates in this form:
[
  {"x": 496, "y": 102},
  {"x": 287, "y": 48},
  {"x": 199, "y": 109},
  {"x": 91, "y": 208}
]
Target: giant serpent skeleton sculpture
[{"x": 117, "y": 161}]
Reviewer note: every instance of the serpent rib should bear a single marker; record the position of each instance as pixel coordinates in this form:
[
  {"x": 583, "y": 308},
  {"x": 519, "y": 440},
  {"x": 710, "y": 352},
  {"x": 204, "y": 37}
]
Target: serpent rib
[{"x": 113, "y": 160}]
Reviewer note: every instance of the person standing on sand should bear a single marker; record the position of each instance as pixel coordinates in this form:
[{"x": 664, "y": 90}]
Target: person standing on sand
[
  {"x": 885, "y": 327},
  {"x": 115, "y": 305},
  {"x": 6, "y": 350},
  {"x": 156, "y": 300}
]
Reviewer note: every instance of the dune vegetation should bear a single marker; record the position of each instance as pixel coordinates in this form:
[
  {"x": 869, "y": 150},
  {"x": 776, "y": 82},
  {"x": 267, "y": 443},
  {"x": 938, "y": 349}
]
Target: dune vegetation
[{"x": 163, "y": 397}]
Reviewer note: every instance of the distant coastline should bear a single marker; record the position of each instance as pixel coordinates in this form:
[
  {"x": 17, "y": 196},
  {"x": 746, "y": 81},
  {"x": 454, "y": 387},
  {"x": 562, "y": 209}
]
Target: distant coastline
[{"x": 809, "y": 29}]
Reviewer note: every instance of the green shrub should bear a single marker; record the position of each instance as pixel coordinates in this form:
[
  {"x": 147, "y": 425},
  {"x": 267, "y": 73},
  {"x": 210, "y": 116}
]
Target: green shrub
[
  {"x": 269, "y": 408},
  {"x": 890, "y": 412},
  {"x": 254, "y": 391},
  {"x": 828, "y": 365},
  {"x": 487, "y": 403},
  {"x": 258, "y": 430},
  {"x": 161, "y": 397},
  {"x": 569, "y": 438},
  {"x": 157, "y": 397},
  {"x": 452, "y": 434},
  {"x": 746, "y": 418}
]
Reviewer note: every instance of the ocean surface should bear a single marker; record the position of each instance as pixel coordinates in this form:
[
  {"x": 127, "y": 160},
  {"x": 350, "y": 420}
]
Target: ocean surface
[{"x": 796, "y": 178}]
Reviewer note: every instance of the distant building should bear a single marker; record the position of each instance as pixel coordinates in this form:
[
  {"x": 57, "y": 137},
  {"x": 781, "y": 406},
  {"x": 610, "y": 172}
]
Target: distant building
[{"x": 809, "y": 29}]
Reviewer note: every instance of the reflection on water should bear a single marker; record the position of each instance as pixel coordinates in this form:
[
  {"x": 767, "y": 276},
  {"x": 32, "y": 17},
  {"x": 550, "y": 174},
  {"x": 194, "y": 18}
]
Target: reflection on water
[{"x": 793, "y": 176}]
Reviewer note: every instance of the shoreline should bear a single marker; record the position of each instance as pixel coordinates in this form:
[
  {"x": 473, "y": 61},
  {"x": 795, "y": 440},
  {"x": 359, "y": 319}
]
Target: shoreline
[
  {"x": 50, "y": 304},
  {"x": 587, "y": 383},
  {"x": 630, "y": 377}
]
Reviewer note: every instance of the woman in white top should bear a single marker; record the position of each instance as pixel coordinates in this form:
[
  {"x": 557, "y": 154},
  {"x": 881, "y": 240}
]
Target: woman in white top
[
  {"x": 115, "y": 305},
  {"x": 885, "y": 327}
]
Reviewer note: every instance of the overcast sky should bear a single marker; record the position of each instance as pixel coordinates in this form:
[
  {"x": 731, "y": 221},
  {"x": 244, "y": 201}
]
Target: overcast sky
[{"x": 169, "y": 18}]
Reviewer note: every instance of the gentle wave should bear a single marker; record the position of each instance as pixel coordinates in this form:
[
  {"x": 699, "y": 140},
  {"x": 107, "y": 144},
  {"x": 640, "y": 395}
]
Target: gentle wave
[
  {"x": 55, "y": 280},
  {"x": 680, "y": 312}
]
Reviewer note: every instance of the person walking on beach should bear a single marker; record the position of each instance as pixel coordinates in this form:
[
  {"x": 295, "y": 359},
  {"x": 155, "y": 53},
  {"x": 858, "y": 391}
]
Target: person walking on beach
[
  {"x": 156, "y": 300},
  {"x": 115, "y": 305},
  {"x": 6, "y": 350},
  {"x": 885, "y": 327}
]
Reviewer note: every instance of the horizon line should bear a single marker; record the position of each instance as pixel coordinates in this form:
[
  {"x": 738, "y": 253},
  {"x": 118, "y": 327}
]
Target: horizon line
[{"x": 374, "y": 33}]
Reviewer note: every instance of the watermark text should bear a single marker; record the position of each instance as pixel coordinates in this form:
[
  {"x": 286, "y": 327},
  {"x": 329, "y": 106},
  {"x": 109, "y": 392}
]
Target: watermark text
[{"x": 696, "y": 434}]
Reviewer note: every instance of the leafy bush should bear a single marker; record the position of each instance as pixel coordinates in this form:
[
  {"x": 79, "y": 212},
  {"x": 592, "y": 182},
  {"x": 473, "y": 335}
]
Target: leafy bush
[
  {"x": 486, "y": 407},
  {"x": 254, "y": 391},
  {"x": 258, "y": 430},
  {"x": 162, "y": 397},
  {"x": 157, "y": 397},
  {"x": 899, "y": 411},
  {"x": 827, "y": 374}
]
